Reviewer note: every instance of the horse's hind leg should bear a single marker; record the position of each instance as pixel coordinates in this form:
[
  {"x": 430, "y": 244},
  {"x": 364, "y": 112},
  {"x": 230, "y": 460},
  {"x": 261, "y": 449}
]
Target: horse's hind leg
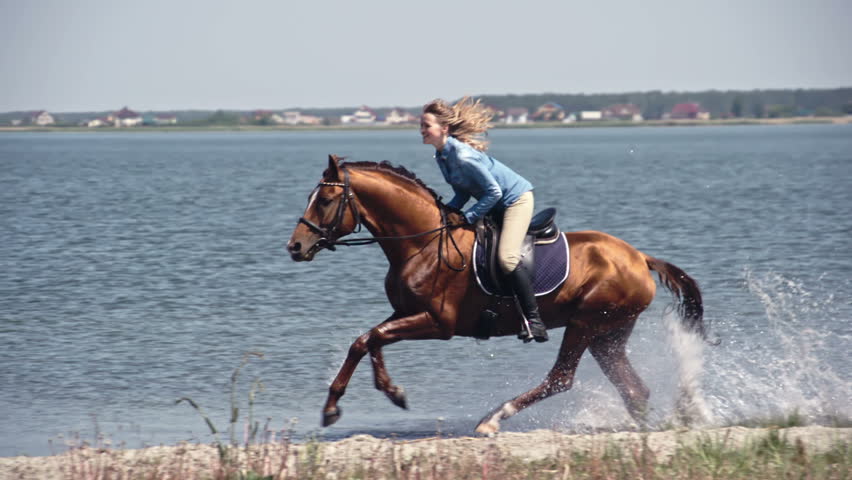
[
  {"x": 610, "y": 352},
  {"x": 559, "y": 379}
]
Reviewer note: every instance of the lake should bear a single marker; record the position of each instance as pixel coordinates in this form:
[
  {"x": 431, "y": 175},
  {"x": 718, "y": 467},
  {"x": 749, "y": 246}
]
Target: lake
[{"x": 137, "y": 268}]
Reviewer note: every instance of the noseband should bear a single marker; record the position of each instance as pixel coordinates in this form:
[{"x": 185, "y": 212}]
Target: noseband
[{"x": 329, "y": 235}]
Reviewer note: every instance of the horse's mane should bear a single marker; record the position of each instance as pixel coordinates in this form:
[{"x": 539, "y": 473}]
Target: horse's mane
[
  {"x": 404, "y": 174},
  {"x": 398, "y": 171}
]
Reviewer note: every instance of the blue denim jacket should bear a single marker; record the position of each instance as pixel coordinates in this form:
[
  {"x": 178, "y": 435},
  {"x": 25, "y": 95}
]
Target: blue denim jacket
[{"x": 474, "y": 173}]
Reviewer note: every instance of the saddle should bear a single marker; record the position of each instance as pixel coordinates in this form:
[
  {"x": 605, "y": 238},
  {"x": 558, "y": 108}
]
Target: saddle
[{"x": 542, "y": 236}]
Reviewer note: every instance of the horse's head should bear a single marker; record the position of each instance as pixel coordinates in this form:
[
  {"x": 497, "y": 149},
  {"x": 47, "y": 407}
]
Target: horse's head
[{"x": 330, "y": 214}]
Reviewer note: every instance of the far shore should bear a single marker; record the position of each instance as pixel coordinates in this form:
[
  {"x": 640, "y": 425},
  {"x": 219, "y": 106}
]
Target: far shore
[{"x": 847, "y": 119}]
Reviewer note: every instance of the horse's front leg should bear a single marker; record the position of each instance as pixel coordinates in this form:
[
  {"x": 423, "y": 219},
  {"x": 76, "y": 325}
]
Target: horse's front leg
[
  {"x": 395, "y": 393},
  {"x": 414, "y": 327}
]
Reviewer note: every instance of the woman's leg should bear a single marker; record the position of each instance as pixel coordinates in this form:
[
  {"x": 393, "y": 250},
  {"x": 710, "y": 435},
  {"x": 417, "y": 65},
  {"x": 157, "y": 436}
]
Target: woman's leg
[{"x": 516, "y": 222}]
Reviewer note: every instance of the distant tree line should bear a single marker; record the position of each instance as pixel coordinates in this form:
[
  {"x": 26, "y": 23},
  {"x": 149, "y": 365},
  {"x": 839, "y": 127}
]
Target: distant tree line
[
  {"x": 653, "y": 104},
  {"x": 720, "y": 104}
]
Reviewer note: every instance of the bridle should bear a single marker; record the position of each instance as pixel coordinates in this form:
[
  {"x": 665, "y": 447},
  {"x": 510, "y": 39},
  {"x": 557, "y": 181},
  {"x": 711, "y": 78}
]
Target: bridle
[{"x": 329, "y": 235}]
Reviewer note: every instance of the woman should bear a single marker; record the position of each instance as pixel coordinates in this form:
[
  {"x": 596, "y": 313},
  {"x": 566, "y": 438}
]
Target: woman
[{"x": 456, "y": 133}]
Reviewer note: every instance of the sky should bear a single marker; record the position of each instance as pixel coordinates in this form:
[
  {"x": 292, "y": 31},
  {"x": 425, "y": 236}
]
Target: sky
[{"x": 93, "y": 55}]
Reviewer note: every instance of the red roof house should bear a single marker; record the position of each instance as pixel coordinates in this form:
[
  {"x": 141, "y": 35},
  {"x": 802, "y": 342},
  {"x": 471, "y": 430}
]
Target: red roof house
[
  {"x": 126, "y": 113},
  {"x": 689, "y": 110},
  {"x": 549, "y": 112},
  {"x": 127, "y": 118}
]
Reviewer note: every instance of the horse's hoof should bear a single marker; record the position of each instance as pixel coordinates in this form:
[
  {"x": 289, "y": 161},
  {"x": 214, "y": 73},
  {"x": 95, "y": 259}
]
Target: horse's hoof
[
  {"x": 487, "y": 428},
  {"x": 397, "y": 396},
  {"x": 330, "y": 416}
]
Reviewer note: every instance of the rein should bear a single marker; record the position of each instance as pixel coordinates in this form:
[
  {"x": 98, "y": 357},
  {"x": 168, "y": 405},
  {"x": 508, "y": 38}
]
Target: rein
[{"x": 328, "y": 236}]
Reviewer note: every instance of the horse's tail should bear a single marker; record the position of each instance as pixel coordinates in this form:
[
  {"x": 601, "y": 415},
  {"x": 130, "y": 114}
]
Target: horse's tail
[{"x": 685, "y": 290}]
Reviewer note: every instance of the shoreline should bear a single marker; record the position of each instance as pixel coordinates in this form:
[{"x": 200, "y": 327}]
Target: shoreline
[
  {"x": 353, "y": 453},
  {"x": 841, "y": 120}
]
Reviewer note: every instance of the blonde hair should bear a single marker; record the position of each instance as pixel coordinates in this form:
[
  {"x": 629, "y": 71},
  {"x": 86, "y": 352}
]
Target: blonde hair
[{"x": 468, "y": 120}]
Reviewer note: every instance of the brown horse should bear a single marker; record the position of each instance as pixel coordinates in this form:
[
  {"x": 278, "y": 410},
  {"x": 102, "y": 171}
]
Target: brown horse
[{"x": 434, "y": 294}]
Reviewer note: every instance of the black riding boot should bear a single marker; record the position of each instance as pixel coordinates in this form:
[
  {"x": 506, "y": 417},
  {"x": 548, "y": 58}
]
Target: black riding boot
[{"x": 522, "y": 286}]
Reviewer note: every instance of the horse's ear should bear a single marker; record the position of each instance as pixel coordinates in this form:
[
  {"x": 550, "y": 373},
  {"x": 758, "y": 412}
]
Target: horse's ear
[{"x": 333, "y": 166}]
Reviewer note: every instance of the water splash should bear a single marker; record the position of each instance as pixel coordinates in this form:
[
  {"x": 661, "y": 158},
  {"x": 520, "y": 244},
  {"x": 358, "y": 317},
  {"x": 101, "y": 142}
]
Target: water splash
[
  {"x": 790, "y": 364},
  {"x": 690, "y": 405},
  {"x": 599, "y": 408},
  {"x": 784, "y": 357}
]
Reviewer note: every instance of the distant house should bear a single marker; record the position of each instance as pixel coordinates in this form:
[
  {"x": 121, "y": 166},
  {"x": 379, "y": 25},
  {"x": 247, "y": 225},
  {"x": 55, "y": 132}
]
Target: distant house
[
  {"x": 517, "y": 115},
  {"x": 292, "y": 117},
  {"x": 259, "y": 115},
  {"x": 295, "y": 117},
  {"x": 497, "y": 115},
  {"x": 590, "y": 115},
  {"x": 622, "y": 111},
  {"x": 312, "y": 120},
  {"x": 690, "y": 111},
  {"x": 549, "y": 112},
  {"x": 165, "y": 120},
  {"x": 97, "y": 122},
  {"x": 363, "y": 116},
  {"x": 399, "y": 116},
  {"x": 265, "y": 117},
  {"x": 127, "y": 118},
  {"x": 41, "y": 118}
]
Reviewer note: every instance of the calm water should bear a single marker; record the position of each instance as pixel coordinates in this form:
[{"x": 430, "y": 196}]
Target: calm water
[{"x": 138, "y": 268}]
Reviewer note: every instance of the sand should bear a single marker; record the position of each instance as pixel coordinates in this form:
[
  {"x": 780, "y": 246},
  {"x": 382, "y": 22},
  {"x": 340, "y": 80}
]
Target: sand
[{"x": 361, "y": 450}]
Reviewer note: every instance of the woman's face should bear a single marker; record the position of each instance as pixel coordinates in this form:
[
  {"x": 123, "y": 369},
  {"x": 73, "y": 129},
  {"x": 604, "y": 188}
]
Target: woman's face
[{"x": 432, "y": 131}]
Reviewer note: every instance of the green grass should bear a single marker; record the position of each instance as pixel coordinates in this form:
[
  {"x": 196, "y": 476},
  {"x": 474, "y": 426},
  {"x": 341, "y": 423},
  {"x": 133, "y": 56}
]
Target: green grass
[{"x": 771, "y": 456}]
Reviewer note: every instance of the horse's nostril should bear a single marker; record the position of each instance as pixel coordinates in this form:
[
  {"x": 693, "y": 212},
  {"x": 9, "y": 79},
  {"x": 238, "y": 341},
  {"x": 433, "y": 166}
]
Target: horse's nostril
[{"x": 294, "y": 247}]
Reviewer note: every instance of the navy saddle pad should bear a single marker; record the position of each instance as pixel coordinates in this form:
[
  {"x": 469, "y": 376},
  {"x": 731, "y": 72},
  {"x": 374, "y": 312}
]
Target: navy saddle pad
[{"x": 551, "y": 268}]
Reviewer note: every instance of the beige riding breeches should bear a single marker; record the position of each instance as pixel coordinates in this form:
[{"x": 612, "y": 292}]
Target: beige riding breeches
[{"x": 516, "y": 222}]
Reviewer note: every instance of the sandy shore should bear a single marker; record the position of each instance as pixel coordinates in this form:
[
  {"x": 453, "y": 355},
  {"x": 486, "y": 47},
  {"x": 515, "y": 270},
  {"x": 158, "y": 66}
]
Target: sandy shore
[{"x": 359, "y": 450}]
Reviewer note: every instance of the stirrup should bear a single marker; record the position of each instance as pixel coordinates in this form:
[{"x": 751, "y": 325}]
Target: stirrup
[{"x": 527, "y": 336}]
